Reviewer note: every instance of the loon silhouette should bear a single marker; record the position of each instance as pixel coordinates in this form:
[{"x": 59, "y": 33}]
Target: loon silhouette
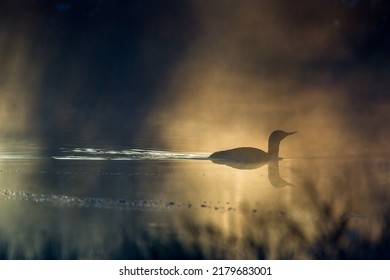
[{"x": 251, "y": 158}]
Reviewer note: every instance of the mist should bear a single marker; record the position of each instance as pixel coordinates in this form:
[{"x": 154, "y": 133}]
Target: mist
[
  {"x": 113, "y": 77},
  {"x": 257, "y": 66}
]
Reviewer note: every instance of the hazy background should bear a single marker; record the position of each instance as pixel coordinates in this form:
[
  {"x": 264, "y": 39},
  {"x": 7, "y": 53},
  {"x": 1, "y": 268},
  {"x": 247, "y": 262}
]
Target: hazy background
[{"x": 196, "y": 76}]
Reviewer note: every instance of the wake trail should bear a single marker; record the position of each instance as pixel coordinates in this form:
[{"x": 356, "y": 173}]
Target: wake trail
[{"x": 127, "y": 154}]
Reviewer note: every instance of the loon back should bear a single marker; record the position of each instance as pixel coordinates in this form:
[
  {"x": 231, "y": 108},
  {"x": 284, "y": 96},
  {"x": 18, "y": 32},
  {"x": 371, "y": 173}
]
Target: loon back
[{"x": 241, "y": 158}]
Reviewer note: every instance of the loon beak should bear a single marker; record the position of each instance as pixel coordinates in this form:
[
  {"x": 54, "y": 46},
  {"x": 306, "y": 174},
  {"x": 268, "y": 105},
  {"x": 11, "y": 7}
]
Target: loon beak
[{"x": 290, "y": 133}]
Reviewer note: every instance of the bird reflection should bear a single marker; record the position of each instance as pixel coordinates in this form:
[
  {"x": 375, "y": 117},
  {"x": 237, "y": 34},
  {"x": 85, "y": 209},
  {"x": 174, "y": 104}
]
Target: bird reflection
[
  {"x": 274, "y": 175},
  {"x": 252, "y": 158}
]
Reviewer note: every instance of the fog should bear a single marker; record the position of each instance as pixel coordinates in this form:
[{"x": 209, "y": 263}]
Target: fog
[
  {"x": 260, "y": 65},
  {"x": 194, "y": 77}
]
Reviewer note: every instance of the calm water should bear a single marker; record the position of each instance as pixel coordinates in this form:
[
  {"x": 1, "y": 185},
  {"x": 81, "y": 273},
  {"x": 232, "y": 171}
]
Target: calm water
[
  {"x": 99, "y": 203},
  {"x": 109, "y": 109}
]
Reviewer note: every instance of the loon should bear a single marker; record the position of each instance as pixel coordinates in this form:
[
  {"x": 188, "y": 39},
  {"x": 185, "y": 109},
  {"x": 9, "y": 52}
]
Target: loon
[{"x": 251, "y": 158}]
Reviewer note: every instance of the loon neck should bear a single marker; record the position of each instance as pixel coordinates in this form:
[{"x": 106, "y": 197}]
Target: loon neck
[{"x": 273, "y": 148}]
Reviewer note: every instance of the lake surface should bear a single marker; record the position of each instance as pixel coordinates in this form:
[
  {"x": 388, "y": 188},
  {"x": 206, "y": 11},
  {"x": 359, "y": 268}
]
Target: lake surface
[
  {"x": 100, "y": 203},
  {"x": 109, "y": 109}
]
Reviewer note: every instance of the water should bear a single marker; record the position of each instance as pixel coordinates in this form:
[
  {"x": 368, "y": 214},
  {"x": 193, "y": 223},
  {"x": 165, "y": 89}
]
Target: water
[
  {"x": 106, "y": 121},
  {"x": 130, "y": 154},
  {"x": 113, "y": 203}
]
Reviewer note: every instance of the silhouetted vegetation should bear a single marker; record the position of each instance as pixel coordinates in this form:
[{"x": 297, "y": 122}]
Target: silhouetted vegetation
[{"x": 319, "y": 231}]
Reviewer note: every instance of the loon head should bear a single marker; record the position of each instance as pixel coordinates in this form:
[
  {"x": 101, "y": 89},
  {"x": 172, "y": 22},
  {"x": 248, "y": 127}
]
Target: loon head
[
  {"x": 274, "y": 141},
  {"x": 279, "y": 135}
]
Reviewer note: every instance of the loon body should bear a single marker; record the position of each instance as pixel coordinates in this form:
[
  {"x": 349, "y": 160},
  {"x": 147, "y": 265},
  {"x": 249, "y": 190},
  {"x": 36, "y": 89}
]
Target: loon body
[{"x": 251, "y": 158}]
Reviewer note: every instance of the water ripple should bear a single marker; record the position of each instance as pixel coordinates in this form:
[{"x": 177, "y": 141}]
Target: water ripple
[
  {"x": 128, "y": 154},
  {"x": 106, "y": 203}
]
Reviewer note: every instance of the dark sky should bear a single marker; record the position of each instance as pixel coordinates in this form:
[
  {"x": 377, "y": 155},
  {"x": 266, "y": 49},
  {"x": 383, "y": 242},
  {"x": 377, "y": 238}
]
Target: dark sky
[{"x": 124, "y": 72}]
